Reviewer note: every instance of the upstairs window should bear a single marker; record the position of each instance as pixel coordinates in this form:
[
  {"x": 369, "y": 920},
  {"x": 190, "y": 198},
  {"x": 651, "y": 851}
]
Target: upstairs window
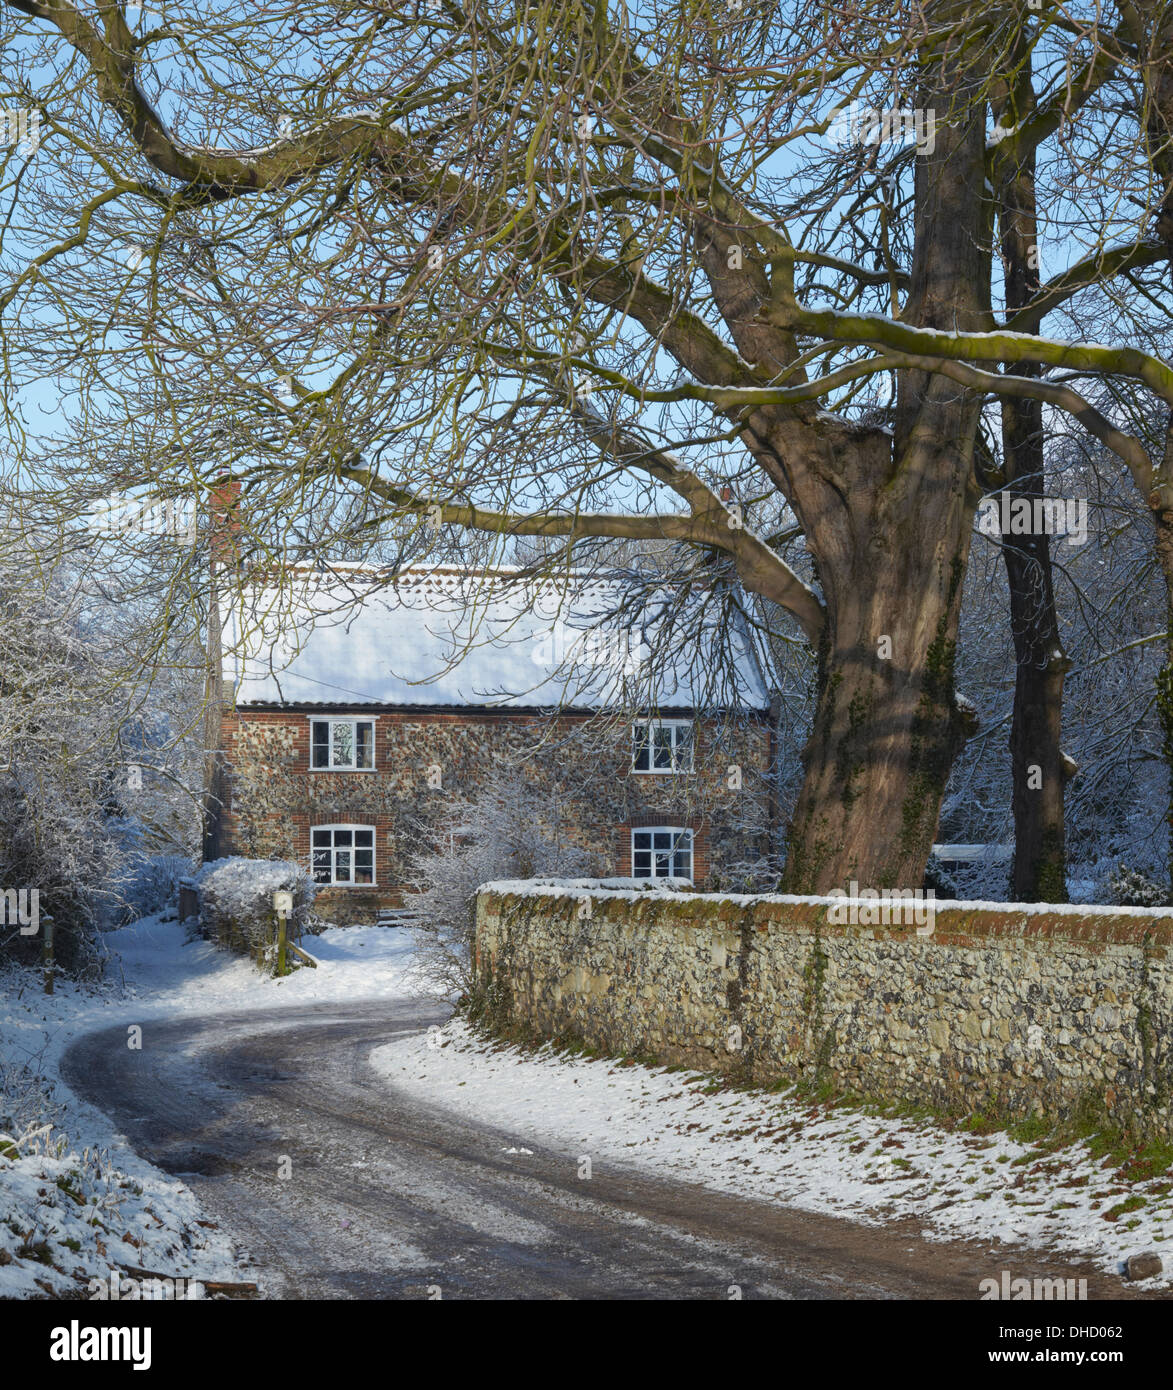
[
  {"x": 661, "y": 851},
  {"x": 661, "y": 745},
  {"x": 343, "y": 853},
  {"x": 342, "y": 745}
]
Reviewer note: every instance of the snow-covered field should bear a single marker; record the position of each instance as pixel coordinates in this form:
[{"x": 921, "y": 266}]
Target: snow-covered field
[
  {"x": 839, "y": 1161},
  {"x": 75, "y": 1200}
]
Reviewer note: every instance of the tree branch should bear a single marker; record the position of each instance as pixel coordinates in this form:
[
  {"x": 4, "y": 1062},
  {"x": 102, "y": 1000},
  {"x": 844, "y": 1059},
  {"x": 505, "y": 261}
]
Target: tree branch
[
  {"x": 1125, "y": 446},
  {"x": 887, "y": 334}
]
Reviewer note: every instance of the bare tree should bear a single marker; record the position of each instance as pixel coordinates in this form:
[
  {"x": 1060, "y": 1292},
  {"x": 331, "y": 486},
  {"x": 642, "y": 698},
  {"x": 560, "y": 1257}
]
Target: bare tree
[
  {"x": 504, "y": 832},
  {"x": 574, "y": 270},
  {"x": 95, "y": 816}
]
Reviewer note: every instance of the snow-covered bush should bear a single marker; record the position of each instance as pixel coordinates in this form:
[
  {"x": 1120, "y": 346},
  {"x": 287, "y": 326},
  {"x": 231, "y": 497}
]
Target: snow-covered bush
[
  {"x": 1131, "y": 888},
  {"x": 506, "y": 832},
  {"x": 28, "y": 1104},
  {"x": 236, "y": 901},
  {"x": 760, "y": 875}
]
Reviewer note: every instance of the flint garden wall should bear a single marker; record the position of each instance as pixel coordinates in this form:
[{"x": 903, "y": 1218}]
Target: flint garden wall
[{"x": 996, "y": 1007}]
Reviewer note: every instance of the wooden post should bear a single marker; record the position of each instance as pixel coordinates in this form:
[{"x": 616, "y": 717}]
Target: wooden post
[
  {"x": 282, "y": 906},
  {"x": 47, "y": 952}
]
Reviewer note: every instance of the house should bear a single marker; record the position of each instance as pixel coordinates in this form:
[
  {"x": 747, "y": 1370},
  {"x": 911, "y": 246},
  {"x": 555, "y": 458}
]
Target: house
[{"x": 358, "y": 702}]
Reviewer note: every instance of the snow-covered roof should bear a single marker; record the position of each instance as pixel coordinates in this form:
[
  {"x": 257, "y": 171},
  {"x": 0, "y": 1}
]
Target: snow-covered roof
[{"x": 452, "y": 637}]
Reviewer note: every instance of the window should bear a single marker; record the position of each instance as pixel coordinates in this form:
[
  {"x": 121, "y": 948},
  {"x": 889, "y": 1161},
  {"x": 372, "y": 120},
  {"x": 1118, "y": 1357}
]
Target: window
[
  {"x": 343, "y": 853},
  {"x": 661, "y": 745},
  {"x": 661, "y": 851},
  {"x": 342, "y": 745}
]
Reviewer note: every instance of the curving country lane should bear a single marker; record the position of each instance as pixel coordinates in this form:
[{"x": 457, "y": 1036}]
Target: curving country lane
[{"x": 389, "y": 1199}]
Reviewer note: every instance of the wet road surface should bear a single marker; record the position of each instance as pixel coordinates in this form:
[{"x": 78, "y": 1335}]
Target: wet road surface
[{"x": 389, "y": 1199}]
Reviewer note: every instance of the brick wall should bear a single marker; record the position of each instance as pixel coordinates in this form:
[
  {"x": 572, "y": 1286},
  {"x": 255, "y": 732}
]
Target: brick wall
[{"x": 274, "y": 798}]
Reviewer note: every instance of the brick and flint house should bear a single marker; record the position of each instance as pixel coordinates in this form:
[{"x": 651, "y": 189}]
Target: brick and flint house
[{"x": 357, "y": 704}]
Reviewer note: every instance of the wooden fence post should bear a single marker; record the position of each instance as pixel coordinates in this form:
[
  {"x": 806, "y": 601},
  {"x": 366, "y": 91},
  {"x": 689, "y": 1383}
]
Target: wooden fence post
[
  {"x": 47, "y": 952},
  {"x": 283, "y": 906}
]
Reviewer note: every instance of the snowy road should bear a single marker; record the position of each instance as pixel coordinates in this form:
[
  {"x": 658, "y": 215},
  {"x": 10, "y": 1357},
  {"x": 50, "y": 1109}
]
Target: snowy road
[{"x": 389, "y": 1198}]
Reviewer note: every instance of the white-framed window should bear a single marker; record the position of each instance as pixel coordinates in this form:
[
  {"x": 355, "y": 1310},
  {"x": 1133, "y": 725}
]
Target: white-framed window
[
  {"x": 342, "y": 745},
  {"x": 661, "y": 851},
  {"x": 343, "y": 853},
  {"x": 661, "y": 745}
]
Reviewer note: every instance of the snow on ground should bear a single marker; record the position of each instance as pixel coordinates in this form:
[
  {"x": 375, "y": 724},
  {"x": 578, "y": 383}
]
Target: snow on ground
[
  {"x": 76, "y": 1202},
  {"x": 836, "y": 1160}
]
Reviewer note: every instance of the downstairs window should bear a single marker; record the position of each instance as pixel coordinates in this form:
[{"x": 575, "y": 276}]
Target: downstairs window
[
  {"x": 343, "y": 853},
  {"x": 661, "y": 851}
]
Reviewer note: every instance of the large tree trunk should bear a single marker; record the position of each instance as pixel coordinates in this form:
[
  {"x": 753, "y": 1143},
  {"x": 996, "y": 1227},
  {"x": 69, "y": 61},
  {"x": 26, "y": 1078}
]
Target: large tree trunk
[
  {"x": 890, "y": 533},
  {"x": 1162, "y": 504},
  {"x": 887, "y": 727},
  {"x": 1156, "y": 35},
  {"x": 1036, "y": 758}
]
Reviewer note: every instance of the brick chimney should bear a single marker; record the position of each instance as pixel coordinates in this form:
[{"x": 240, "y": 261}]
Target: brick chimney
[{"x": 225, "y": 527}]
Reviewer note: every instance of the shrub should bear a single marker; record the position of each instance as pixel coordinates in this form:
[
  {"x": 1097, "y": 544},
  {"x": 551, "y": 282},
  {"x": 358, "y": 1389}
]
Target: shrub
[
  {"x": 508, "y": 831},
  {"x": 1132, "y": 888},
  {"x": 236, "y": 901}
]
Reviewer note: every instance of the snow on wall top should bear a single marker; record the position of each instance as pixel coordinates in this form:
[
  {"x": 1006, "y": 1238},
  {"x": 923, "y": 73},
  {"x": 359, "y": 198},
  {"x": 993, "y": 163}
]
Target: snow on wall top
[
  {"x": 613, "y": 888},
  {"x": 446, "y": 636}
]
